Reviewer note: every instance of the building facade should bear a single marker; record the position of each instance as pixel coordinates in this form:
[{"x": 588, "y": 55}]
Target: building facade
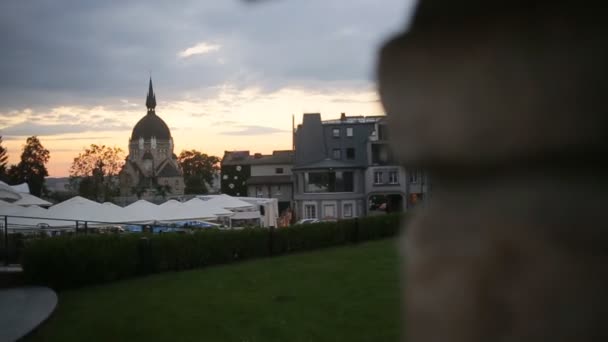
[
  {"x": 151, "y": 170},
  {"x": 259, "y": 175},
  {"x": 271, "y": 177},
  {"x": 235, "y": 169},
  {"x": 344, "y": 168},
  {"x": 329, "y": 167}
]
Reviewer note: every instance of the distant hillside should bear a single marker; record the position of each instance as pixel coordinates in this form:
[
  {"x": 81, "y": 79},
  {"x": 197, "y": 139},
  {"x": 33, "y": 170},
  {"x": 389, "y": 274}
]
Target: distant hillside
[{"x": 57, "y": 184}]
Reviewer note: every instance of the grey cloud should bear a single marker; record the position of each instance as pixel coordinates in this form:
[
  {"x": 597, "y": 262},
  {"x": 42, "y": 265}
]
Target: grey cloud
[
  {"x": 97, "y": 53},
  {"x": 69, "y": 117},
  {"x": 254, "y": 130},
  {"x": 77, "y": 138},
  {"x": 354, "y": 101},
  {"x": 28, "y": 129},
  {"x": 87, "y": 139}
]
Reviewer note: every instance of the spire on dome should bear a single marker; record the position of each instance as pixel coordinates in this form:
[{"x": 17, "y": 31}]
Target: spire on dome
[{"x": 151, "y": 99}]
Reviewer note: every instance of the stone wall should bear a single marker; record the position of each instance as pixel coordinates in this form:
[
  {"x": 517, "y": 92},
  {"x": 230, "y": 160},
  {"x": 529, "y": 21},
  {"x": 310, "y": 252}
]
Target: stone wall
[{"x": 503, "y": 103}]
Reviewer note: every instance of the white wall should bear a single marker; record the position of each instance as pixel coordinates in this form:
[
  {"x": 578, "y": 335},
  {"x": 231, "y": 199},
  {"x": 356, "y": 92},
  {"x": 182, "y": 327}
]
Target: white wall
[{"x": 270, "y": 170}]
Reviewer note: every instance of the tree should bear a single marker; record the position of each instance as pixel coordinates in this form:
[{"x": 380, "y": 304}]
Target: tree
[
  {"x": 162, "y": 191},
  {"x": 198, "y": 169},
  {"x": 94, "y": 172},
  {"x": 31, "y": 168},
  {"x": 3, "y": 162}
]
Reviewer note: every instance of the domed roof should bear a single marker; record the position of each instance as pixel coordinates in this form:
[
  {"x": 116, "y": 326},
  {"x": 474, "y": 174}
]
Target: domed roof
[{"x": 151, "y": 126}]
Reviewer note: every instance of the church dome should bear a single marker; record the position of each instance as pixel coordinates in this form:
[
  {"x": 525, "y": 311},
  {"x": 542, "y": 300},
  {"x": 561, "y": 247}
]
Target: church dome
[{"x": 151, "y": 125}]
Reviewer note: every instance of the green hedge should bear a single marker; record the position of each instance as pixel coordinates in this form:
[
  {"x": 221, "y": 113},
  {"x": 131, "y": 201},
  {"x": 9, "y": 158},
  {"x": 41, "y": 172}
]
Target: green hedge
[{"x": 72, "y": 261}]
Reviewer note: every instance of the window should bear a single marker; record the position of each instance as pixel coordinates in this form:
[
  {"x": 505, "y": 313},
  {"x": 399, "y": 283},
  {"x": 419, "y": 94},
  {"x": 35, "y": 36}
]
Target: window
[
  {"x": 278, "y": 170},
  {"x": 349, "y": 131},
  {"x": 377, "y": 177},
  {"x": 310, "y": 211},
  {"x": 350, "y": 153},
  {"x": 348, "y": 181},
  {"x": 414, "y": 176},
  {"x": 259, "y": 192},
  {"x": 329, "y": 210},
  {"x": 382, "y": 132},
  {"x": 381, "y": 155},
  {"x": 329, "y": 181},
  {"x": 337, "y": 153},
  {"x": 336, "y": 132},
  {"x": 347, "y": 210},
  {"x": 393, "y": 177}
]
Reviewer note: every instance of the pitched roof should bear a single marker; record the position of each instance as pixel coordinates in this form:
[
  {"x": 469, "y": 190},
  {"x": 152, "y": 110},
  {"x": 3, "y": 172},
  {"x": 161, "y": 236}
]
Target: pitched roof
[
  {"x": 168, "y": 170},
  {"x": 349, "y": 120},
  {"x": 235, "y": 157},
  {"x": 245, "y": 158},
  {"x": 277, "y": 157}
]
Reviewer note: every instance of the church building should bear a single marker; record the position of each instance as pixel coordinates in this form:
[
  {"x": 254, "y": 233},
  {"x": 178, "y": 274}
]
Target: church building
[{"x": 151, "y": 170}]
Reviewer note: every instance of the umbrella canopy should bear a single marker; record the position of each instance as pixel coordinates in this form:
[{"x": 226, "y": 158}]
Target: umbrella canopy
[
  {"x": 82, "y": 209},
  {"x": 226, "y": 202},
  {"x": 142, "y": 211},
  {"x": 7, "y": 193},
  {"x": 28, "y": 199}
]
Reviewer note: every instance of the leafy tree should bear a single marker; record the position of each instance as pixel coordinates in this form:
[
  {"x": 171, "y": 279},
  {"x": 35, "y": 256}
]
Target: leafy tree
[
  {"x": 198, "y": 169},
  {"x": 138, "y": 190},
  {"x": 94, "y": 172},
  {"x": 31, "y": 169},
  {"x": 162, "y": 191},
  {"x": 3, "y": 162}
]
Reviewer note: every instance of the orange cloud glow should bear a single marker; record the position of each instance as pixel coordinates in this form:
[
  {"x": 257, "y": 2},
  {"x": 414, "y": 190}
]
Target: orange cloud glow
[{"x": 233, "y": 120}]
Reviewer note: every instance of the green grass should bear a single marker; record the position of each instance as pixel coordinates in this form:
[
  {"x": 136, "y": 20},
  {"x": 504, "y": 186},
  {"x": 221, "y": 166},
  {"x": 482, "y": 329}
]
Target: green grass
[{"x": 341, "y": 294}]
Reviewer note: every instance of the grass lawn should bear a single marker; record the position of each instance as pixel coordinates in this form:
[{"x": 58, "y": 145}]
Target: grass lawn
[{"x": 341, "y": 294}]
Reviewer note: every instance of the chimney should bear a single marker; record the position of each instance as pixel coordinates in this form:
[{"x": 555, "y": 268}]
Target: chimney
[{"x": 342, "y": 116}]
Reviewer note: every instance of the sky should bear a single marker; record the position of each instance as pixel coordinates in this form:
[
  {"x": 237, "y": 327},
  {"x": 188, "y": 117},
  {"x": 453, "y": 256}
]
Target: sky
[{"x": 228, "y": 75}]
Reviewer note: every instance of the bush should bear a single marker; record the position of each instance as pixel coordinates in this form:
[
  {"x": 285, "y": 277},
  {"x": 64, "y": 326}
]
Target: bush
[{"x": 72, "y": 261}]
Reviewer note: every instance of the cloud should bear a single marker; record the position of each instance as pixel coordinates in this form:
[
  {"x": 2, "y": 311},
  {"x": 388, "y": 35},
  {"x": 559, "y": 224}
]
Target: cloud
[
  {"x": 83, "y": 138},
  {"x": 254, "y": 130},
  {"x": 99, "y": 53},
  {"x": 23, "y": 129},
  {"x": 351, "y": 100},
  {"x": 199, "y": 49}
]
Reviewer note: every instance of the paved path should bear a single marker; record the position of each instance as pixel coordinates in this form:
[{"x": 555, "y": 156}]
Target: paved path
[{"x": 22, "y": 309}]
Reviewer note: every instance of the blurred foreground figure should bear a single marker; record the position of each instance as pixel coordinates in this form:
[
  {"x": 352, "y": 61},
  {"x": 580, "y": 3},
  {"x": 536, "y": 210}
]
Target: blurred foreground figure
[{"x": 506, "y": 105}]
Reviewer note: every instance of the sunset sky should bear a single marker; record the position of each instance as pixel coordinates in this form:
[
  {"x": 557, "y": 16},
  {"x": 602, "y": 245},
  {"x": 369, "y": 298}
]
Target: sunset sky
[{"x": 228, "y": 75}]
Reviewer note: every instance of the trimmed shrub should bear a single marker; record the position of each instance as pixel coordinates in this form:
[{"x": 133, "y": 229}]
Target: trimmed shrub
[
  {"x": 15, "y": 247},
  {"x": 72, "y": 261}
]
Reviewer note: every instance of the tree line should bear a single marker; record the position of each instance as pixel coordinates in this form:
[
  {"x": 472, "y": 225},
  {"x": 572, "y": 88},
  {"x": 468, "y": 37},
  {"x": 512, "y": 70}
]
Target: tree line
[
  {"x": 94, "y": 172},
  {"x": 31, "y": 168}
]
